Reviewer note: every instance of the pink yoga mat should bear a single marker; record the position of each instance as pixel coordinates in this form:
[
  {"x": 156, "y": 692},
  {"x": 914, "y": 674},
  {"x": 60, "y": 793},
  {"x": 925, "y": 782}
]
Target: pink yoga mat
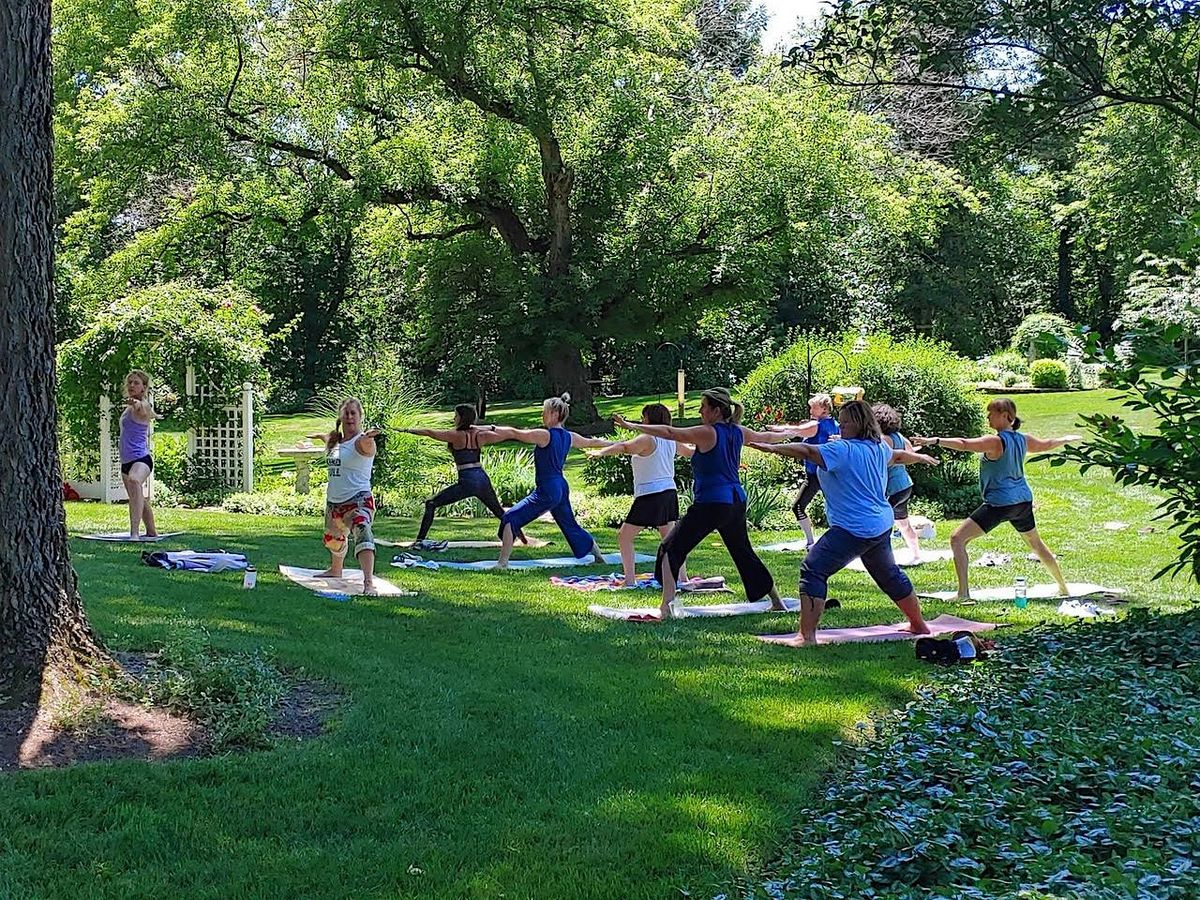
[{"x": 943, "y": 624}]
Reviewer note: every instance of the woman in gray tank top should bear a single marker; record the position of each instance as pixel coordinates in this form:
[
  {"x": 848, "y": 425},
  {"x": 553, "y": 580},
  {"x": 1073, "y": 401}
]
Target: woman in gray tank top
[
  {"x": 655, "y": 496},
  {"x": 136, "y": 460}
]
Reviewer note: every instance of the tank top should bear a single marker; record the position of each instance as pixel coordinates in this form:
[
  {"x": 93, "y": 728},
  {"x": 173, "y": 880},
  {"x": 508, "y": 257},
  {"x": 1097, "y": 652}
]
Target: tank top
[
  {"x": 897, "y": 475},
  {"x": 349, "y": 472},
  {"x": 826, "y": 428},
  {"x": 716, "y": 471},
  {"x": 656, "y": 472},
  {"x": 468, "y": 455},
  {"x": 1002, "y": 480},
  {"x": 548, "y": 461},
  {"x": 135, "y": 437}
]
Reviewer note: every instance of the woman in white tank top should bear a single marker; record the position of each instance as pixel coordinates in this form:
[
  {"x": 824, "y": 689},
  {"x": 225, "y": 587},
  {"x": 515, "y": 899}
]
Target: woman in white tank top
[
  {"x": 349, "y": 503},
  {"x": 655, "y": 497}
]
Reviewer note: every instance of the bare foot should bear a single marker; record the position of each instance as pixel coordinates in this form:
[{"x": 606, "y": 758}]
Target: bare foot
[
  {"x": 150, "y": 534},
  {"x": 330, "y": 573},
  {"x": 805, "y": 640},
  {"x": 915, "y": 628},
  {"x": 370, "y": 591}
]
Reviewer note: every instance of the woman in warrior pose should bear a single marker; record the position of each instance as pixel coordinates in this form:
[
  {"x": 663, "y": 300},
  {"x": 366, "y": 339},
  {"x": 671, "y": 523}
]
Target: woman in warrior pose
[
  {"x": 349, "y": 503},
  {"x": 473, "y": 481},
  {"x": 655, "y": 497},
  {"x": 899, "y": 482},
  {"x": 1006, "y": 494},
  {"x": 820, "y": 429},
  {"x": 137, "y": 462},
  {"x": 853, "y": 474},
  {"x": 551, "y": 493},
  {"x": 719, "y": 500}
]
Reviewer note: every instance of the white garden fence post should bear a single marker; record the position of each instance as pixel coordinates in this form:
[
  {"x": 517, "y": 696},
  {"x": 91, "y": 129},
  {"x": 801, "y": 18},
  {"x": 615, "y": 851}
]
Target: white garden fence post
[
  {"x": 247, "y": 437},
  {"x": 106, "y": 448}
]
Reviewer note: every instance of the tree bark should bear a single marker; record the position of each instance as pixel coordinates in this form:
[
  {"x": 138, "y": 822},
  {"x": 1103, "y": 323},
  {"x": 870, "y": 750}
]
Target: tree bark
[
  {"x": 1064, "y": 300},
  {"x": 42, "y": 621}
]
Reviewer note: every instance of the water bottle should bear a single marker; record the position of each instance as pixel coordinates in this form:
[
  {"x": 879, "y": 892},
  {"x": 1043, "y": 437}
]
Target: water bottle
[
  {"x": 677, "y": 608},
  {"x": 250, "y": 578},
  {"x": 1020, "y": 593}
]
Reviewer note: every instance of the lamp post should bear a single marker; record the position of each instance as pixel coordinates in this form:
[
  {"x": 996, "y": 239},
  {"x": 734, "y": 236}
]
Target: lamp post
[{"x": 680, "y": 387}]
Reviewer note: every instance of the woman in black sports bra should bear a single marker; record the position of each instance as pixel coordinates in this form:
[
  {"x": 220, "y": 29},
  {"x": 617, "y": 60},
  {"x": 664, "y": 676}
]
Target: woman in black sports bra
[{"x": 473, "y": 481}]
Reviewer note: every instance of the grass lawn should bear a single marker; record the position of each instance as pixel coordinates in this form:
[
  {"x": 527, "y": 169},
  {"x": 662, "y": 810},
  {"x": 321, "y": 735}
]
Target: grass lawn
[{"x": 498, "y": 740}]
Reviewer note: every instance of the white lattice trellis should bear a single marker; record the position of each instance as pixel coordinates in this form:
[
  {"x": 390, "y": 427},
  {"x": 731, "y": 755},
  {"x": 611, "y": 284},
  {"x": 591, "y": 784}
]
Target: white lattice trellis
[{"x": 227, "y": 444}]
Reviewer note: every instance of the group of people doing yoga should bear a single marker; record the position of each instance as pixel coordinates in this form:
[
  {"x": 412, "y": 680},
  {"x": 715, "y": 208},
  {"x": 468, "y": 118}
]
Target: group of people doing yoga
[{"x": 856, "y": 461}]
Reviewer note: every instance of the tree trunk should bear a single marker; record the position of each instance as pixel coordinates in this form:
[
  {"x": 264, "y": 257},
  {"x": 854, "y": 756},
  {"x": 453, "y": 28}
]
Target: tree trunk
[
  {"x": 565, "y": 369},
  {"x": 1064, "y": 301},
  {"x": 42, "y": 621}
]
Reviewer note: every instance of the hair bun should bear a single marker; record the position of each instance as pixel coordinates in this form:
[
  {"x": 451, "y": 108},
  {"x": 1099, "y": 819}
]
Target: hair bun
[{"x": 565, "y": 396}]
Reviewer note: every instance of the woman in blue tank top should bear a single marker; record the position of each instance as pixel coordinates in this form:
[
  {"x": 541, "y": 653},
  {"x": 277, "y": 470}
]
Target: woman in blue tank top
[
  {"x": 1006, "y": 494},
  {"x": 899, "y": 482},
  {"x": 719, "y": 501},
  {"x": 854, "y": 475},
  {"x": 551, "y": 492}
]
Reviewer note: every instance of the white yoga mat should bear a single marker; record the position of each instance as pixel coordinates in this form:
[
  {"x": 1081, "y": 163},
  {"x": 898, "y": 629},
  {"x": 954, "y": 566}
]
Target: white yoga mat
[
  {"x": 784, "y": 547},
  {"x": 709, "y": 611},
  {"x": 554, "y": 562},
  {"x": 866, "y": 634},
  {"x": 463, "y": 545},
  {"x": 1034, "y": 592},
  {"x": 351, "y": 582},
  {"x": 905, "y": 560},
  {"x": 122, "y": 537}
]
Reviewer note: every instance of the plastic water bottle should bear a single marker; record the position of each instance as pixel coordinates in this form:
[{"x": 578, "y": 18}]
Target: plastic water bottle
[
  {"x": 250, "y": 578},
  {"x": 1020, "y": 592},
  {"x": 677, "y": 608}
]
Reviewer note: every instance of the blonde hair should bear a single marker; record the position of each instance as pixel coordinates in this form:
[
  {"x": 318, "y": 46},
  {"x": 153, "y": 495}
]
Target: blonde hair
[
  {"x": 135, "y": 373},
  {"x": 1008, "y": 407},
  {"x": 560, "y": 406},
  {"x": 335, "y": 437},
  {"x": 720, "y": 400},
  {"x": 823, "y": 400}
]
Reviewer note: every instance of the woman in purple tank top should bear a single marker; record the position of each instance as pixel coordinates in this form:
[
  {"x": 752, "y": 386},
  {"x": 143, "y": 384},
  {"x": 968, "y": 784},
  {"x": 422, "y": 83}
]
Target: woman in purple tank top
[{"x": 136, "y": 460}]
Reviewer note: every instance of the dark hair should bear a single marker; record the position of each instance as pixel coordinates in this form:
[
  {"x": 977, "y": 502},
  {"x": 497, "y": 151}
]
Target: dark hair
[
  {"x": 464, "y": 416},
  {"x": 1006, "y": 405},
  {"x": 857, "y": 416},
  {"x": 656, "y": 414},
  {"x": 887, "y": 417},
  {"x": 719, "y": 399}
]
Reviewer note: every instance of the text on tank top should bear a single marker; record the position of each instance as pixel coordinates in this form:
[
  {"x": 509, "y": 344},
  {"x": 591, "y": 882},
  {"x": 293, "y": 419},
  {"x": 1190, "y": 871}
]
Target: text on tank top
[
  {"x": 715, "y": 471},
  {"x": 1002, "y": 481},
  {"x": 349, "y": 471},
  {"x": 654, "y": 473},
  {"x": 135, "y": 437}
]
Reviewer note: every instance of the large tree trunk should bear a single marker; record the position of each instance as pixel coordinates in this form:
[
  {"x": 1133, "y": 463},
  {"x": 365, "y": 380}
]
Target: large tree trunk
[
  {"x": 1064, "y": 300},
  {"x": 42, "y": 622},
  {"x": 565, "y": 369}
]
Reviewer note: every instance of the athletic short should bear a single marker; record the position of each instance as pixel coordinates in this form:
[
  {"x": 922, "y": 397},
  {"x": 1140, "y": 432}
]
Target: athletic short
[
  {"x": 351, "y": 519},
  {"x": 654, "y": 510},
  {"x": 147, "y": 459},
  {"x": 988, "y": 517},
  {"x": 899, "y": 501}
]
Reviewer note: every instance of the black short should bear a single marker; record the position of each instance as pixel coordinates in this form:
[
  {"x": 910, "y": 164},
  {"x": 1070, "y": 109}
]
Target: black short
[
  {"x": 654, "y": 510},
  {"x": 988, "y": 517},
  {"x": 899, "y": 501},
  {"x": 147, "y": 459}
]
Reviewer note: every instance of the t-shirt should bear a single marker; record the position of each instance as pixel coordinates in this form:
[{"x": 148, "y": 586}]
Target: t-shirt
[
  {"x": 826, "y": 428},
  {"x": 854, "y": 481}
]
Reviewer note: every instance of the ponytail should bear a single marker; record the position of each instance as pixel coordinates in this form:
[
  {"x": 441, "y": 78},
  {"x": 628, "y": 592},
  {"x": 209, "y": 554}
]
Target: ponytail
[
  {"x": 737, "y": 410},
  {"x": 560, "y": 406},
  {"x": 1016, "y": 423}
]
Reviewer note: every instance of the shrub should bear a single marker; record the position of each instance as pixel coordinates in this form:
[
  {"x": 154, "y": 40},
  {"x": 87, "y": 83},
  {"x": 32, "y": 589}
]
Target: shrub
[
  {"x": 200, "y": 483},
  {"x": 1049, "y": 335},
  {"x": 1049, "y": 374},
  {"x": 606, "y": 512},
  {"x": 512, "y": 473},
  {"x": 170, "y": 457},
  {"x": 282, "y": 502},
  {"x": 1007, "y": 361},
  {"x": 764, "y": 503}
]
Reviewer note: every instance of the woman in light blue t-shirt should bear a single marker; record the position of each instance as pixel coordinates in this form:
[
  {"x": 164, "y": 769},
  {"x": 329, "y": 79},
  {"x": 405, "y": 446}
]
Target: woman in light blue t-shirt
[
  {"x": 1006, "y": 494},
  {"x": 853, "y": 474}
]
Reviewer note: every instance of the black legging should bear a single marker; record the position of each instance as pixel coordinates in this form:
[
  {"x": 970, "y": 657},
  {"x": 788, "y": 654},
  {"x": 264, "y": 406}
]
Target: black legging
[
  {"x": 729, "y": 521},
  {"x": 471, "y": 483},
  {"x": 810, "y": 490}
]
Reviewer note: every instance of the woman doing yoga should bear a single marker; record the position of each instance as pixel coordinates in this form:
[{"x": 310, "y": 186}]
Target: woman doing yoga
[
  {"x": 820, "y": 429},
  {"x": 719, "y": 501}
]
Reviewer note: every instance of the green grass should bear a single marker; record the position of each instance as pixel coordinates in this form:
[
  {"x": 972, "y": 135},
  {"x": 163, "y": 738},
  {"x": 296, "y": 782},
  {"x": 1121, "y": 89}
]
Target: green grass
[{"x": 497, "y": 739}]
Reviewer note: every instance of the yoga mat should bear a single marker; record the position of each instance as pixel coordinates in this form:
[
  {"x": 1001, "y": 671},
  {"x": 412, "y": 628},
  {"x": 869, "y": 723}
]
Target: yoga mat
[
  {"x": 351, "y": 582},
  {"x": 615, "y": 582},
  {"x": 943, "y": 624},
  {"x": 902, "y": 557},
  {"x": 554, "y": 562},
  {"x": 1035, "y": 592},
  {"x": 122, "y": 537},
  {"x": 784, "y": 547},
  {"x": 464, "y": 545},
  {"x": 700, "y": 612}
]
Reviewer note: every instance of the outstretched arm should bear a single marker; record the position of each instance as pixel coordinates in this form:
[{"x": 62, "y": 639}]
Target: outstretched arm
[
  {"x": 141, "y": 409},
  {"x": 687, "y": 451},
  {"x": 912, "y": 458},
  {"x": 1040, "y": 445},
  {"x": 496, "y": 434},
  {"x": 987, "y": 444},
  {"x": 579, "y": 442},
  {"x": 435, "y": 433},
  {"x": 803, "y": 430},
  {"x": 365, "y": 445},
  {"x": 631, "y": 447},
  {"x": 765, "y": 437},
  {"x": 807, "y": 452},
  {"x": 702, "y": 436}
]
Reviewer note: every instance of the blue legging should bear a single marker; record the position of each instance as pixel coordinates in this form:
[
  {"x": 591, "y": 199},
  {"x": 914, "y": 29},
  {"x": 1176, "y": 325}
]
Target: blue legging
[
  {"x": 837, "y": 547},
  {"x": 553, "y": 497}
]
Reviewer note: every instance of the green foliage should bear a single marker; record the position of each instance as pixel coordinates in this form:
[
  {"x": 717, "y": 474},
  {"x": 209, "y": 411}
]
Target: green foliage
[
  {"x": 279, "y": 502},
  {"x": 1006, "y": 362},
  {"x": 199, "y": 483},
  {"x": 170, "y": 458},
  {"x": 1153, "y": 376},
  {"x": 602, "y": 512},
  {"x": 1049, "y": 335},
  {"x": 613, "y": 475},
  {"x": 1050, "y": 374},
  {"x": 162, "y": 329},
  {"x": 232, "y": 694},
  {"x": 765, "y": 503},
  {"x": 1163, "y": 292},
  {"x": 1017, "y": 777}
]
